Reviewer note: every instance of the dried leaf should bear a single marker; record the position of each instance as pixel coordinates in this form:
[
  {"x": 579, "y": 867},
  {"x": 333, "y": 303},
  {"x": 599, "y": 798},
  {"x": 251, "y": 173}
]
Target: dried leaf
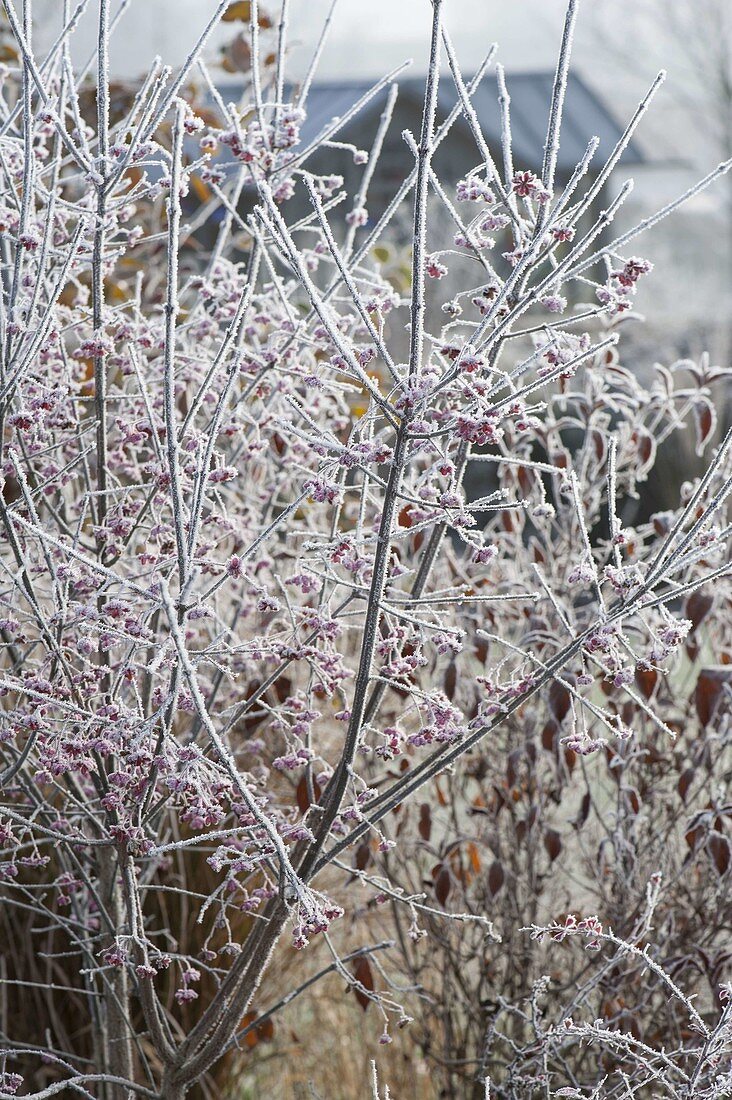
[
  {"x": 708, "y": 691},
  {"x": 512, "y": 768},
  {"x": 719, "y": 849},
  {"x": 266, "y": 1030},
  {"x": 646, "y": 680},
  {"x": 552, "y": 843},
  {"x": 442, "y": 883},
  {"x": 264, "y": 1033},
  {"x": 474, "y": 858},
  {"x": 705, "y": 420},
  {"x": 584, "y": 811},
  {"x": 237, "y": 55},
  {"x": 11, "y": 490},
  {"x": 440, "y": 796},
  {"x": 496, "y": 877},
  {"x": 549, "y": 735},
  {"x": 425, "y": 821},
  {"x": 646, "y": 450},
  {"x": 362, "y": 973},
  {"x": 599, "y": 442},
  {"x": 633, "y": 800},
  {"x": 202, "y": 192},
  {"x": 685, "y": 781},
  {"x": 559, "y": 700},
  {"x": 241, "y": 12},
  {"x": 362, "y": 857},
  {"x": 698, "y": 606},
  {"x": 238, "y": 12},
  {"x": 303, "y": 794}
]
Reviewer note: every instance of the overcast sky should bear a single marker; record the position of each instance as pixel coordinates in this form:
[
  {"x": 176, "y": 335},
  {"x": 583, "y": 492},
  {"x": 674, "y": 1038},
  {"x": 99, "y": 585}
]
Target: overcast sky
[
  {"x": 370, "y": 37},
  {"x": 367, "y": 36}
]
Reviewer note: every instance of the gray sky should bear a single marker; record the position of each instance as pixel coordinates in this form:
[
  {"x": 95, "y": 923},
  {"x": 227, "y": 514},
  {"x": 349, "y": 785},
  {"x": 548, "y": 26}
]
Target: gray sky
[
  {"x": 367, "y": 37},
  {"x": 370, "y": 37}
]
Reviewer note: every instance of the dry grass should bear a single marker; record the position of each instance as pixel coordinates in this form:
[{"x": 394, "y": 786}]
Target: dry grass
[{"x": 323, "y": 1048}]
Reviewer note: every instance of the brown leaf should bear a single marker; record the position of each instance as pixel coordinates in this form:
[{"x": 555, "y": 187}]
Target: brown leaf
[
  {"x": 584, "y": 811},
  {"x": 450, "y": 680},
  {"x": 698, "y": 606},
  {"x": 11, "y": 490},
  {"x": 264, "y": 1033},
  {"x": 599, "y": 442},
  {"x": 237, "y": 55},
  {"x": 266, "y": 1030},
  {"x": 646, "y": 448},
  {"x": 559, "y": 701},
  {"x": 496, "y": 877},
  {"x": 252, "y": 1038},
  {"x": 425, "y": 821},
  {"x": 202, "y": 192},
  {"x": 526, "y": 480},
  {"x": 362, "y": 858},
  {"x": 685, "y": 781},
  {"x": 646, "y": 680},
  {"x": 549, "y": 735},
  {"x": 362, "y": 973},
  {"x": 705, "y": 420},
  {"x": 440, "y": 796},
  {"x": 442, "y": 883},
  {"x": 512, "y": 767},
  {"x": 238, "y": 12},
  {"x": 474, "y": 858},
  {"x": 303, "y": 794},
  {"x": 661, "y": 524},
  {"x": 719, "y": 850},
  {"x": 708, "y": 691},
  {"x": 631, "y": 796},
  {"x": 552, "y": 843},
  {"x": 241, "y": 12}
]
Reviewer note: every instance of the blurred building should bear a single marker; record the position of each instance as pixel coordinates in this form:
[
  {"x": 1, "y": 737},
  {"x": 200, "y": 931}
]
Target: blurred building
[
  {"x": 618, "y": 49},
  {"x": 585, "y": 115}
]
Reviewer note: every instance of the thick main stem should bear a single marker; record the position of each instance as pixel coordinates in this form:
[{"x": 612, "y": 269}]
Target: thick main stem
[
  {"x": 335, "y": 791},
  {"x": 242, "y": 987},
  {"x": 116, "y": 1047},
  {"x": 117, "y": 1041}
]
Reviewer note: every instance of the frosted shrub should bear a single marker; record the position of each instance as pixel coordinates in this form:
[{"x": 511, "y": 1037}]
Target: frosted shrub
[{"x": 235, "y": 530}]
